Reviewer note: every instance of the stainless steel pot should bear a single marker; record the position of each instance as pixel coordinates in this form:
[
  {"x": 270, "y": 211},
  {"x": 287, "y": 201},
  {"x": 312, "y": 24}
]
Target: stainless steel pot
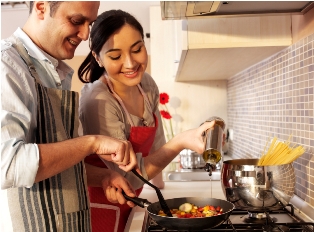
[
  {"x": 257, "y": 188},
  {"x": 191, "y": 160}
]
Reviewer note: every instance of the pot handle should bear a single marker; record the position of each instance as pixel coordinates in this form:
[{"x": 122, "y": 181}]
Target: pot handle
[{"x": 138, "y": 201}]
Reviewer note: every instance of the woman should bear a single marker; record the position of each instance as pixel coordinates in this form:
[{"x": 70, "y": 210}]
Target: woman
[{"x": 120, "y": 100}]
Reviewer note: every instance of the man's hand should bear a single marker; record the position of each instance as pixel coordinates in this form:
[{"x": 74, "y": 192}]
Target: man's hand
[{"x": 117, "y": 151}]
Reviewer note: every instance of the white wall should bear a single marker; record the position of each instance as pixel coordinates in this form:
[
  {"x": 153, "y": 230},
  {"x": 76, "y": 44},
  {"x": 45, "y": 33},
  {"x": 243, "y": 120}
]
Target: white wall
[
  {"x": 199, "y": 100},
  {"x": 11, "y": 19}
]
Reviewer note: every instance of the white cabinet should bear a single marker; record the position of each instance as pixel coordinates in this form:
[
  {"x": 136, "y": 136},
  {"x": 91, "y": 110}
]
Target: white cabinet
[
  {"x": 166, "y": 44},
  {"x": 217, "y": 48}
]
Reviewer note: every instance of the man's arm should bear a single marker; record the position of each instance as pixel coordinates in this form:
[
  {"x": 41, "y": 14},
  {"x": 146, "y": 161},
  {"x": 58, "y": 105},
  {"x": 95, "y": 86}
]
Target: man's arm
[{"x": 57, "y": 157}]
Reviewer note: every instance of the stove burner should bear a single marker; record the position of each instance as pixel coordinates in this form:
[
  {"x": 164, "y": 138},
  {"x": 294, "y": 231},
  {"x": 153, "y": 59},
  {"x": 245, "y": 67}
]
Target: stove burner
[
  {"x": 257, "y": 215},
  {"x": 280, "y": 228},
  {"x": 260, "y": 220}
]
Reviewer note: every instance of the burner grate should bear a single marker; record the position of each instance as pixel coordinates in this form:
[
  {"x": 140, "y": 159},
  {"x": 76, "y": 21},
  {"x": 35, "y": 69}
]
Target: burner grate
[
  {"x": 236, "y": 223},
  {"x": 303, "y": 227}
]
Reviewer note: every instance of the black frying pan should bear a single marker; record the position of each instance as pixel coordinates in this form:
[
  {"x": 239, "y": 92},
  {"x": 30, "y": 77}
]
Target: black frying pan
[{"x": 186, "y": 223}]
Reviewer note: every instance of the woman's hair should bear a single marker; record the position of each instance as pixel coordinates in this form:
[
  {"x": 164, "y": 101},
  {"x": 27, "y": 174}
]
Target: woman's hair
[{"x": 105, "y": 25}]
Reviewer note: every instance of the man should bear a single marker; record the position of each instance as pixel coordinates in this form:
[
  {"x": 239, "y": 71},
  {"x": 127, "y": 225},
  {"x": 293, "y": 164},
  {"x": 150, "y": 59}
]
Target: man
[{"x": 43, "y": 178}]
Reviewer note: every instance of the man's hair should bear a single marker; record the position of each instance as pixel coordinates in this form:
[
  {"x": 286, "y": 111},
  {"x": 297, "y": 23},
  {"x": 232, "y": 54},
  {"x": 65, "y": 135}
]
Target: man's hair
[{"x": 53, "y": 7}]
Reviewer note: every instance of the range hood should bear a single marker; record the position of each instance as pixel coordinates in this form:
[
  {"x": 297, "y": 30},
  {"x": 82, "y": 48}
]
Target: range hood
[{"x": 171, "y": 10}]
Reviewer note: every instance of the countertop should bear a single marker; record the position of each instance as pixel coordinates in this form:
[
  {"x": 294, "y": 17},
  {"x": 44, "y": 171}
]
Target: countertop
[{"x": 210, "y": 189}]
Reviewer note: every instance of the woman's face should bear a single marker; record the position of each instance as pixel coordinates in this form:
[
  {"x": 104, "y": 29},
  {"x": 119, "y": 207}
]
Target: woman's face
[{"x": 124, "y": 56}]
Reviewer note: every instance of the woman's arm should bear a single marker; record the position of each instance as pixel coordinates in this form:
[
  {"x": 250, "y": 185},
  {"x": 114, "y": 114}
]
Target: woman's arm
[{"x": 190, "y": 139}]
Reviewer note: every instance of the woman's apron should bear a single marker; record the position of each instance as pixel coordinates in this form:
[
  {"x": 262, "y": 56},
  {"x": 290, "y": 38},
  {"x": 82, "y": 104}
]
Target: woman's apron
[
  {"x": 59, "y": 203},
  {"x": 106, "y": 216}
]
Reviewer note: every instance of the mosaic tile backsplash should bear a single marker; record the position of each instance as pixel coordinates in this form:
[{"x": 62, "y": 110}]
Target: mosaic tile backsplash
[{"x": 275, "y": 98}]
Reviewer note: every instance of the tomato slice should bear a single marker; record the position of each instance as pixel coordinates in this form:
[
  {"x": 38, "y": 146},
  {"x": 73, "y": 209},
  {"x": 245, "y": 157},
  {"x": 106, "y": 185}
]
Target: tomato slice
[
  {"x": 200, "y": 209},
  {"x": 188, "y": 215}
]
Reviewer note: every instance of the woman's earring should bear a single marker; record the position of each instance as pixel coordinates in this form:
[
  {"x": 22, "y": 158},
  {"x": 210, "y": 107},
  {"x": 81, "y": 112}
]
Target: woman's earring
[{"x": 100, "y": 65}]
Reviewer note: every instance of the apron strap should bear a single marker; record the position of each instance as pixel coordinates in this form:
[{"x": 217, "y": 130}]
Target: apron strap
[
  {"x": 18, "y": 45},
  {"x": 122, "y": 104},
  {"x": 145, "y": 98}
]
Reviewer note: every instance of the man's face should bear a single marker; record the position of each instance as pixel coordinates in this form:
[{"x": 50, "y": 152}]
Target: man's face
[{"x": 60, "y": 34}]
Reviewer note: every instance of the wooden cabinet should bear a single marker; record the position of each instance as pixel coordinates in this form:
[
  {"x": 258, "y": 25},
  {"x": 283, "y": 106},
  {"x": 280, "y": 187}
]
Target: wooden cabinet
[{"x": 218, "y": 48}]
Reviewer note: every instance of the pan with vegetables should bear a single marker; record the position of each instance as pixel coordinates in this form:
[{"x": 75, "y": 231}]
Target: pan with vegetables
[{"x": 188, "y": 213}]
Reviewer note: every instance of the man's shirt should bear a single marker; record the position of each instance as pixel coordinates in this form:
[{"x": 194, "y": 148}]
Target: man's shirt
[{"x": 19, "y": 153}]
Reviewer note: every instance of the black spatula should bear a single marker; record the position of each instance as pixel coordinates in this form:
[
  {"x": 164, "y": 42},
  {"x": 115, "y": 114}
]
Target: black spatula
[{"x": 162, "y": 201}]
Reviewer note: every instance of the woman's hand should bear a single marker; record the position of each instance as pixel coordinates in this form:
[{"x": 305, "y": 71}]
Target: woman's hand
[
  {"x": 193, "y": 139},
  {"x": 113, "y": 184},
  {"x": 223, "y": 139}
]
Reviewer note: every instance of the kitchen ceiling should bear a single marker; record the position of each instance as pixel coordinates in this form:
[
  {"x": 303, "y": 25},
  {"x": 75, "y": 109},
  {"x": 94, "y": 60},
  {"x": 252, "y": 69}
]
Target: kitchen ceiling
[{"x": 184, "y": 9}]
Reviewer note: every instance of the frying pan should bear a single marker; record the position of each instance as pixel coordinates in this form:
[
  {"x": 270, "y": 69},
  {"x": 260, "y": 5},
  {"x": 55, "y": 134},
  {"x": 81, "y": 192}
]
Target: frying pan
[{"x": 186, "y": 223}]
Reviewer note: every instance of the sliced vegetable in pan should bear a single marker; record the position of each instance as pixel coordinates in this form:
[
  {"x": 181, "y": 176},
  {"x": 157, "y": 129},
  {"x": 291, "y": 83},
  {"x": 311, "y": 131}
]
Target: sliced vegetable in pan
[{"x": 188, "y": 210}]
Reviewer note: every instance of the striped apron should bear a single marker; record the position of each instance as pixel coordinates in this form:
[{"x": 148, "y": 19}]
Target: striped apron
[{"x": 59, "y": 203}]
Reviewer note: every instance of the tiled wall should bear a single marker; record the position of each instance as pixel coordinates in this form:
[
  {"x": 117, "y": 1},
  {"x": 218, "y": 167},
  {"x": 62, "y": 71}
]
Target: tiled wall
[{"x": 275, "y": 98}]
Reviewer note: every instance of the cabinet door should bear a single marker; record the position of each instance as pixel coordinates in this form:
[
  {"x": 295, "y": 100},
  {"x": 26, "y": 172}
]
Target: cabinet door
[{"x": 166, "y": 44}]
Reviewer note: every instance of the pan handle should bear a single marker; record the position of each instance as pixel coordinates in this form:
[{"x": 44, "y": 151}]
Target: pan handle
[{"x": 138, "y": 201}]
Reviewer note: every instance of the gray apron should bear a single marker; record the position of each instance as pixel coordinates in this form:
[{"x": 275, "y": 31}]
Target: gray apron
[{"x": 59, "y": 203}]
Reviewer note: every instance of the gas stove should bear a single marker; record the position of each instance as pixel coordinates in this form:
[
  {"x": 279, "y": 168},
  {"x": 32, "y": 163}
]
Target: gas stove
[{"x": 241, "y": 220}]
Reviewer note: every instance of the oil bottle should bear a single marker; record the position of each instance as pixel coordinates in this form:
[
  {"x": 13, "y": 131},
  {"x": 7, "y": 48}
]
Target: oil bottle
[{"x": 213, "y": 144}]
